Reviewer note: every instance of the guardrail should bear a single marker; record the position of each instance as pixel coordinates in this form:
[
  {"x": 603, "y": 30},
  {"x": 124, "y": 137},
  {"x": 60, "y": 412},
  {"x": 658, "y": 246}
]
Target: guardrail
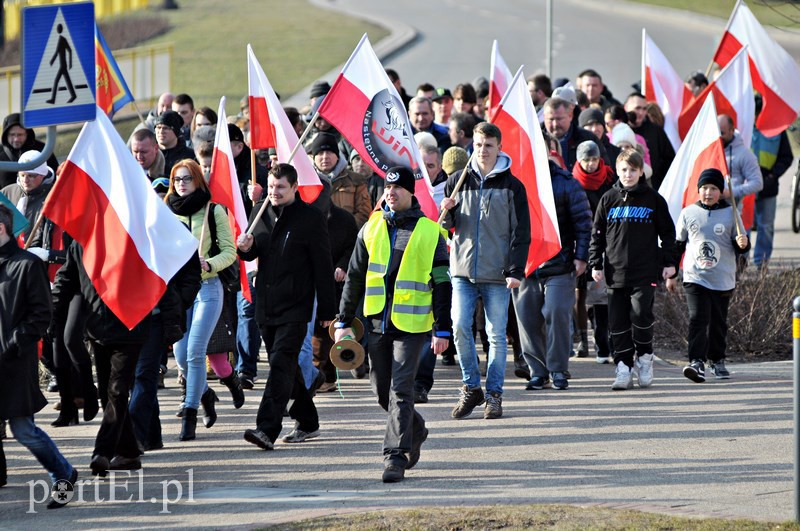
[
  {"x": 147, "y": 71},
  {"x": 12, "y": 19}
]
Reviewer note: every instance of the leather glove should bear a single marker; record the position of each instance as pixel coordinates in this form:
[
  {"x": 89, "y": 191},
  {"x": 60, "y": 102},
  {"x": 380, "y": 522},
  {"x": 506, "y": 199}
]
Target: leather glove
[
  {"x": 42, "y": 253},
  {"x": 172, "y": 333}
]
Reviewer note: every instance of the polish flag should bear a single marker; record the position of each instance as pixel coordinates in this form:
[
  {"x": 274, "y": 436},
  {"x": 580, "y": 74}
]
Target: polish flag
[
  {"x": 270, "y": 128},
  {"x": 365, "y": 107},
  {"x": 701, "y": 149},
  {"x": 733, "y": 95},
  {"x": 224, "y": 185},
  {"x": 663, "y": 85},
  {"x": 499, "y": 80},
  {"x": 524, "y": 143},
  {"x": 776, "y": 75},
  {"x": 132, "y": 244}
]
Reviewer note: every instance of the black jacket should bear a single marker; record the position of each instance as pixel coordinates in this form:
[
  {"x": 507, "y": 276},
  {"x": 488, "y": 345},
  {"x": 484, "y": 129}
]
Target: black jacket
[
  {"x": 102, "y": 325},
  {"x": 400, "y": 226},
  {"x": 627, "y": 226},
  {"x": 8, "y": 153},
  {"x": 574, "y": 224},
  {"x": 294, "y": 262},
  {"x": 24, "y": 313},
  {"x": 661, "y": 151}
]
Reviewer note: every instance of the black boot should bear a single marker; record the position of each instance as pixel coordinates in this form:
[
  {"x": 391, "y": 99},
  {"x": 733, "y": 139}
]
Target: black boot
[
  {"x": 235, "y": 387},
  {"x": 68, "y": 416},
  {"x": 209, "y": 412},
  {"x": 189, "y": 424},
  {"x": 521, "y": 369},
  {"x": 90, "y": 405},
  {"x": 179, "y": 413}
]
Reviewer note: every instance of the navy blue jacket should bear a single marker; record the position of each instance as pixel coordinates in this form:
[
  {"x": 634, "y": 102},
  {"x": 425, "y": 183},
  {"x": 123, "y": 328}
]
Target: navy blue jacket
[{"x": 574, "y": 224}]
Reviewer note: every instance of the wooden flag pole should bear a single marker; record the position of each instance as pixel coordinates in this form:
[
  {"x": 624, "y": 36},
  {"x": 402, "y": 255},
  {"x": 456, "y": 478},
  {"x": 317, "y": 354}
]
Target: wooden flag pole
[
  {"x": 460, "y": 182},
  {"x": 264, "y": 205},
  {"x": 33, "y": 230},
  {"x": 203, "y": 230},
  {"x": 735, "y": 210}
]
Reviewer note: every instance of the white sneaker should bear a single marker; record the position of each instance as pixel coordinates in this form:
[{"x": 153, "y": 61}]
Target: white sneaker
[
  {"x": 644, "y": 364},
  {"x": 602, "y": 360},
  {"x": 624, "y": 378}
]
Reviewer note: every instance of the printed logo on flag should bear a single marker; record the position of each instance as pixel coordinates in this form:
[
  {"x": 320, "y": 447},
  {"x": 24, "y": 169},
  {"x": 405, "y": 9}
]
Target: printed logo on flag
[{"x": 385, "y": 134}]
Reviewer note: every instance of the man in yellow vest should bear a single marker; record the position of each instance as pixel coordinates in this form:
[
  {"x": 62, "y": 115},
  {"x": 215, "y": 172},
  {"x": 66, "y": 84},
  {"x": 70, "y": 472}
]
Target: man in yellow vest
[{"x": 400, "y": 267}]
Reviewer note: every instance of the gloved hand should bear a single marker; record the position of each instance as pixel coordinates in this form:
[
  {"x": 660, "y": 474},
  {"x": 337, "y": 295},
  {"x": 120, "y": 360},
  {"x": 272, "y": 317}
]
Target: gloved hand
[
  {"x": 172, "y": 333},
  {"x": 41, "y": 252}
]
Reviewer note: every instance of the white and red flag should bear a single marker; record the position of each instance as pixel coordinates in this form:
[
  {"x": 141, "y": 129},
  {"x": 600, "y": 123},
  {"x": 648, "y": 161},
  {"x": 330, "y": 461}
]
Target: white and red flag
[
  {"x": 775, "y": 74},
  {"x": 701, "y": 149},
  {"x": 524, "y": 143},
  {"x": 733, "y": 95},
  {"x": 224, "y": 185},
  {"x": 499, "y": 80},
  {"x": 132, "y": 244},
  {"x": 365, "y": 107},
  {"x": 270, "y": 128},
  {"x": 663, "y": 85}
]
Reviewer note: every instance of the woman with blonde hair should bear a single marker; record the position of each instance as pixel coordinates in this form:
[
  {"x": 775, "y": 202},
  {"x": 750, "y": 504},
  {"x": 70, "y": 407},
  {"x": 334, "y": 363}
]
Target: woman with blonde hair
[{"x": 188, "y": 197}]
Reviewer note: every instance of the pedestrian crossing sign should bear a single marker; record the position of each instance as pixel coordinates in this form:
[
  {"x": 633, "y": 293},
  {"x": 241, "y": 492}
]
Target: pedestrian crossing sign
[{"x": 58, "y": 64}]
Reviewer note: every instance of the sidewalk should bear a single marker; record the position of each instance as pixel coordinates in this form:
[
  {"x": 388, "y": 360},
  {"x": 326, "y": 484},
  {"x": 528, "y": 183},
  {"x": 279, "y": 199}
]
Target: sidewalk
[{"x": 720, "y": 449}]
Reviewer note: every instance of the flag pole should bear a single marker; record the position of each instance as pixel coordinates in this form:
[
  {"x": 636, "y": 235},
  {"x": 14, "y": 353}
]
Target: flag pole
[
  {"x": 463, "y": 176},
  {"x": 33, "y": 230},
  {"x": 644, "y": 63},
  {"x": 136, "y": 108},
  {"x": 727, "y": 27},
  {"x": 265, "y": 204},
  {"x": 733, "y": 202},
  {"x": 253, "y": 166}
]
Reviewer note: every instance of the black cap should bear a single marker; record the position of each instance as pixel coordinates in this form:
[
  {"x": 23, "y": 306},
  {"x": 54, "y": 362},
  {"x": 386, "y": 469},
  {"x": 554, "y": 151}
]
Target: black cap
[
  {"x": 442, "y": 93},
  {"x": 172, "y": 120},
  {"x": 711, "y": 176},
  {"x": 590, "y": 116},
  {"x": 320, "y": 88},
  {"x": 234, "y": 133},
  {"x": 401, "y": 176},
  {"x": 324, "y": 142}
]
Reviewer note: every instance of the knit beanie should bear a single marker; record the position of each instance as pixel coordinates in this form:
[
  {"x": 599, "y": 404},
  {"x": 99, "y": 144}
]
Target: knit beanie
[
  {"x": 454, "y": 159},
  {"x": 172, "y": 120},
  {"x": 401, "y": 176},
  {"x": 586, "y": 150},
  {"x": 711, "y": 176}
]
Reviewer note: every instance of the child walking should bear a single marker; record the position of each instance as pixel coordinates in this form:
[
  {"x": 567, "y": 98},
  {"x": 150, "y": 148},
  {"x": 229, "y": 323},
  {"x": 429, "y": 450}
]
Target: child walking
[
  {"x": 707, "y": 233},
  {"x": 630, "y": 220}
]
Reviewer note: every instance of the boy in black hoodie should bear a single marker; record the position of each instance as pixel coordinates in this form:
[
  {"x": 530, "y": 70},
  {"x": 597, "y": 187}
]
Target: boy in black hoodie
[{"x": 630, "y": 220}]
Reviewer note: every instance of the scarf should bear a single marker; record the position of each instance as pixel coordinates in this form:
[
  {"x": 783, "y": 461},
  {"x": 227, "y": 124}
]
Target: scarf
[
  {"x": 593, "y": 181},
  {"x": 189, "y": 204}
]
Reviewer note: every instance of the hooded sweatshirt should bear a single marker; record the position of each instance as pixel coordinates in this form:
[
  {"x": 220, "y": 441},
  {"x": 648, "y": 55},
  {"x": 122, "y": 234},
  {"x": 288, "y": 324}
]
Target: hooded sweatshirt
[{"x": 8, "y": 153}]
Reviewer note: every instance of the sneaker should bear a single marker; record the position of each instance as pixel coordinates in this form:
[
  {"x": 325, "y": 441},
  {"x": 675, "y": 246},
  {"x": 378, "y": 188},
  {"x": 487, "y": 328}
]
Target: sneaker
[
  {"x": 125, "y": 463},
  {"x": 719, "y": 370},
  {"x": 560, "y": 380},
  {"x": 360, "y": 372},
  {"x": 448, "y": 359},
  {"x": 695, "y": 371},
  {"x": 247, "y": 381},
  {"x": 602, "y": 360},
  {"x": 416, "y": 445},
  {"x": 469, "y": 400},
  {"x": 537, "y": 382},
  {"x": 52, "y": 384},
  {"x": 162, "y": 372},
  {"x": 644, "y": 364},
  {"x": 494, "y": 406},
  {"x": 624, "y": 378},
  {"x": 259, "y": 438},
  {"x": 297, "y": 436},
  {"x": 521, "y": 369},
  {"x": 420, "y": 395},
  {"x": 393, "y": 473},
  {"x": 319, "y": 380}
]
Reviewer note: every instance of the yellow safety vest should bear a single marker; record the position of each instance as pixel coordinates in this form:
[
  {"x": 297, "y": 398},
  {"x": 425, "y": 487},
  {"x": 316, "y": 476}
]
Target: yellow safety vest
[{"x": 412, "y": 309}]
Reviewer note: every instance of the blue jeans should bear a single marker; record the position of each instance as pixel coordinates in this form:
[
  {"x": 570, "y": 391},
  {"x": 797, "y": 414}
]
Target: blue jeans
[
  {"x": 495, "y": 302},
  {"x": 41, "y": 446},
  {"x": 765, "y": 223},
  {"x": 306, "y": 359},
  {"x": 190, "y": 351},
  {"x": 143, "y": 406},
  {"x": 248, "y": 338}
]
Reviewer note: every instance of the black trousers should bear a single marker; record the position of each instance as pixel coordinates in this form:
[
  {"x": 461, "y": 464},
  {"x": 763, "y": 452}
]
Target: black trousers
[
  {"x": 116, "y": 368},
  {"x": 630, "y": 321},
  {"x": 285, "y": 382},
  {"x": 708, "y": 322}
]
